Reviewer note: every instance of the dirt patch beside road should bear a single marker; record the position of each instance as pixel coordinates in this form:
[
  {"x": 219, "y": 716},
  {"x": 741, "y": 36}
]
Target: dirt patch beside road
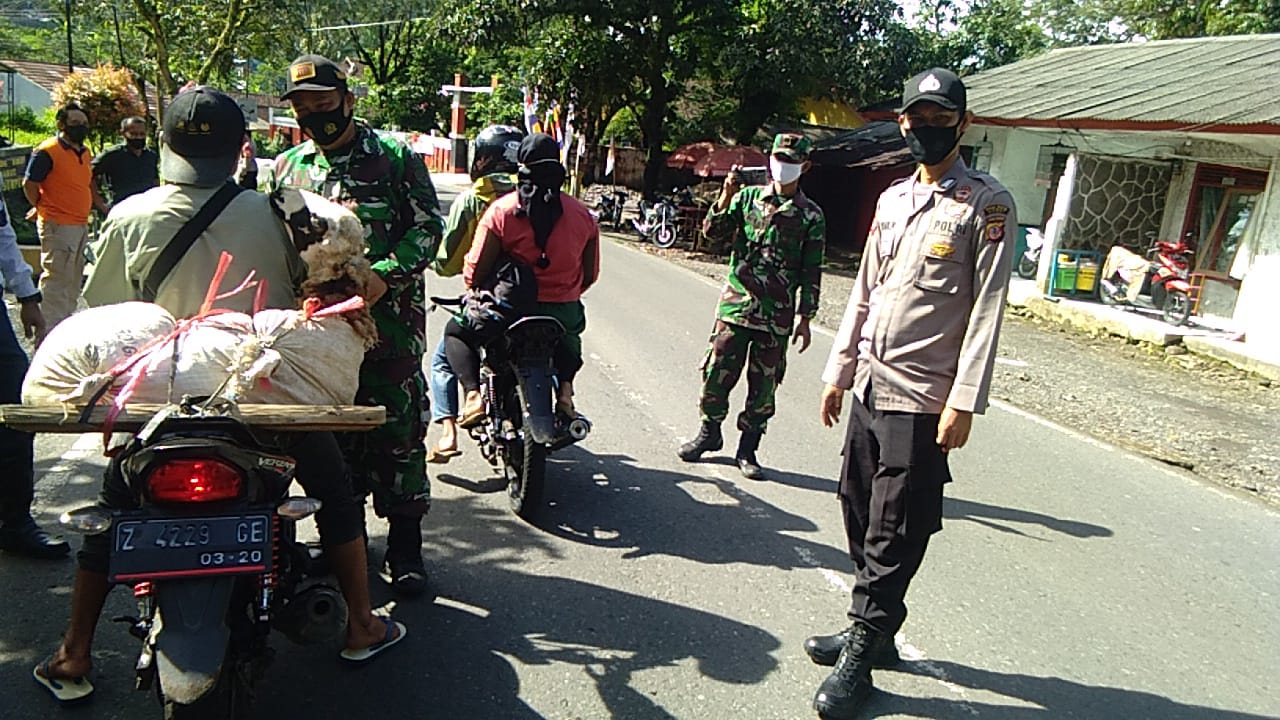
[{"x": 1185, "y": 410}]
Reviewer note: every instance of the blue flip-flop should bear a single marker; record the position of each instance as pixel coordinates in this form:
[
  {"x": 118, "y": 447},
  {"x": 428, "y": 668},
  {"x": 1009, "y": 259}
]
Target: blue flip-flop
[
  {"x": 64, "y": 690},
  {"x": 392, "y": 637}
]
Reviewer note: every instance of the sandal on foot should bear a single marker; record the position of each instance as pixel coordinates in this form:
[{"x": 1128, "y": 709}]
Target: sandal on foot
[
  {"x": 440, "y": 456},
  {"x": 64, "y": 690},
  {"x": 395, "y": 633}
]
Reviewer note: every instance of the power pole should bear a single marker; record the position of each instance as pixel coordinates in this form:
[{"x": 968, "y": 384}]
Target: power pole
[{"x": 71, "y": 67}]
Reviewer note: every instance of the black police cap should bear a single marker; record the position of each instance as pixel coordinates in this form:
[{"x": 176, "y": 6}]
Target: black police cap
[
  {"x": 935, "y": 85},
  {"x": 314, "y": 72}
]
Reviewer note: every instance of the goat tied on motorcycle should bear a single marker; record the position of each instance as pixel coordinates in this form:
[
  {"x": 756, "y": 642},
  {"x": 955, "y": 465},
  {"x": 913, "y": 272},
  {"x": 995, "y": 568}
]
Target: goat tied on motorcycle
[{"x": 310, "y": 356}]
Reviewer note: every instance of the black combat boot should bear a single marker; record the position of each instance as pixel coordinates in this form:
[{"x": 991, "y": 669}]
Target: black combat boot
[
  {"x": 746, "y": 455},
  {"x": 825, "y": 650},
  {"x": 402, "y": 566},
  {"x": 709, "y": 440},
  {"x": 842, "y": 694}
]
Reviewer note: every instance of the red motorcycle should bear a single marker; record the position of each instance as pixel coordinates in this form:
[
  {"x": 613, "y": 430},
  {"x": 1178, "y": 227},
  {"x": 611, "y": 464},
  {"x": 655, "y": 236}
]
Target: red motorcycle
[{"x": 1162, "y": 278}]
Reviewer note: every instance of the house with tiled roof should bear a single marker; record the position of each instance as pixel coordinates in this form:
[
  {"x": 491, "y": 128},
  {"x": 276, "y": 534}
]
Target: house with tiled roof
[
  {"x": 30, "y": 84},
  {"x": 1175, "y": 139},
  {"x": 33, "y": 84}
]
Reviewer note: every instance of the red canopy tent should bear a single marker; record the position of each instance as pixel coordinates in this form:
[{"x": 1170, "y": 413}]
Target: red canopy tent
[{"x": 710, "y": 160}]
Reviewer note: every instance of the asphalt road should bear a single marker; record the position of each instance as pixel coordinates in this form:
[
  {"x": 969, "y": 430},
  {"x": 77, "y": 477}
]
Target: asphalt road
[{"x": 1072, "y": 580}]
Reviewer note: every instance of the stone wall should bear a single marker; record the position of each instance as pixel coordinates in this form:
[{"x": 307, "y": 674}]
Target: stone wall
[{"x": 1116, "y": 202}]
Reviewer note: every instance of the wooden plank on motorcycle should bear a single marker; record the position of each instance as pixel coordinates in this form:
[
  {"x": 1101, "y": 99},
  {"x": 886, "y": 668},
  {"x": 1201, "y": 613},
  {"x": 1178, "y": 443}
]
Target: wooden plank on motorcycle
[{"x": 297, "y": 418}]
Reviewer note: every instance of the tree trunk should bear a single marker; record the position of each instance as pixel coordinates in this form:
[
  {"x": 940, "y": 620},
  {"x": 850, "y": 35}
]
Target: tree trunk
[
  {"x": 155, "y": 31},
  {"x": 653, "y": 129}
]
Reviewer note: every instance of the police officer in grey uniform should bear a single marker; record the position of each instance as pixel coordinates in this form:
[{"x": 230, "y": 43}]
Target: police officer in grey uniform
[{"x": 917, "y": 347}]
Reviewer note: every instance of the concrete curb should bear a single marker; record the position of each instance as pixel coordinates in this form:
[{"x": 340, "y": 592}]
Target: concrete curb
[
  {"x": 1224, "y": 350},
  {"x": 1097, "y": 319}
]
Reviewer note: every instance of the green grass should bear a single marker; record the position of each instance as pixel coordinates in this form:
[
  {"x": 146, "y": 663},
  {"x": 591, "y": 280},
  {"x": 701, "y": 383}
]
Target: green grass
[{"x": 26, "y": 137}]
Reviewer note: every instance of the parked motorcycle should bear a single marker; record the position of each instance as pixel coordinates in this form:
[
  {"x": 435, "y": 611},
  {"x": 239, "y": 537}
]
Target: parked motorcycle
[
  {"x": 1163, "y": 275},
  {"x": 212, "y": 558},
  {"x": 521, "y": 429},
  {"x": 1029, "y": 262},
  {"x": 659, "y": 221},
  {"x": 609, "y": 208}
]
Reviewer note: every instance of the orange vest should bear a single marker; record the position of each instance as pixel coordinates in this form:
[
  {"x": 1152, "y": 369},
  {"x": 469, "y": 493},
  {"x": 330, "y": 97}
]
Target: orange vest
[{"x": 64, "y": 194}]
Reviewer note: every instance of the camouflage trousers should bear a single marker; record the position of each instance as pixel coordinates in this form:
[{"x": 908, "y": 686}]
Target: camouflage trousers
[
  {"x": 765, "y": 356},
  {"x": 390, "y": 461}
]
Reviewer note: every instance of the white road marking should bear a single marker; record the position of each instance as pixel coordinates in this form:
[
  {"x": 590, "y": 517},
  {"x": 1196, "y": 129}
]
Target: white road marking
[
  {"x": 50, "y": 484},
  {"x": 82, "y": 448},
  {"x": 463, "y": 606},
  {"x": 1012, "y": 363}
]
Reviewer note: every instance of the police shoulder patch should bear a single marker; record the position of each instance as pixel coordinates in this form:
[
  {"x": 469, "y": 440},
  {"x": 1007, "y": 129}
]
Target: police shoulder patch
[{"x": 995, "y": 210}]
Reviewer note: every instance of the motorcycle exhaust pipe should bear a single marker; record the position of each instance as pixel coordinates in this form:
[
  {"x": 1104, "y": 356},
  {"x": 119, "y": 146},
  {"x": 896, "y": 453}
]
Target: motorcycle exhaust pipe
[
  {"x": 316, "y": 614},
  {"x": 579, "y": 428}
]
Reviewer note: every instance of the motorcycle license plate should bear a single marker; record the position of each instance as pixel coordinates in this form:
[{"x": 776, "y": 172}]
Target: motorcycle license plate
[{"x": 170, "y": 548}]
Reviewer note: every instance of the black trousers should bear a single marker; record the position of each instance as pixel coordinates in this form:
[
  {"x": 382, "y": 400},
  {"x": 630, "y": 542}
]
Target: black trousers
[
  {"x": 891, "y": 494},
  {"x": 321, "y": 471},
  {"x": 17, "y": 453}
]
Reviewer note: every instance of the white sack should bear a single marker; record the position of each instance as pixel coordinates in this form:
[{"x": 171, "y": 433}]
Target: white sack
[{"x": 275, "y": 357}]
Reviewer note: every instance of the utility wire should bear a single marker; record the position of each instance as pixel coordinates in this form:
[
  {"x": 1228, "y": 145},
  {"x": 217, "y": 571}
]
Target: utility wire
[{"x": 364, "y": 25}]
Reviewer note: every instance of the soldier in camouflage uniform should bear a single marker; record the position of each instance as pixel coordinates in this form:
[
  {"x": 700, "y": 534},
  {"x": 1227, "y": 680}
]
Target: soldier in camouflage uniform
[
  {"x": 777, "y": 236},
  {"x": 388, "y": 187}
]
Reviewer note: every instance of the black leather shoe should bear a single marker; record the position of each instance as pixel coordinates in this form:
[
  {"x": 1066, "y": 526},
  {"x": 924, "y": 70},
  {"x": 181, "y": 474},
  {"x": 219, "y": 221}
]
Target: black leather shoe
[
  {"x": 709, "y": 439},
  {"x": 749, "y": 468},
  {"x": 406, "y": 575},
  {"x": 26, "y": 538},
  {"x": 825, "y": 650},
  {"x": 402, "y": 565},
  {"x": 842, "y": 695},
  {"x": 748, "y": 443}
]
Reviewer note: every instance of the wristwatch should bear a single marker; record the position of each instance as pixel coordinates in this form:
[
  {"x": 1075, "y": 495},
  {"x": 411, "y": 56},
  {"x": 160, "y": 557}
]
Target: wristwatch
[{"x": 33, "y": 298}]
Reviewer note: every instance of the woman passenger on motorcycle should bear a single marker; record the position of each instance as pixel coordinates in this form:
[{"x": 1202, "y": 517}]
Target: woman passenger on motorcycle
[{"x": 554, "y": 234}]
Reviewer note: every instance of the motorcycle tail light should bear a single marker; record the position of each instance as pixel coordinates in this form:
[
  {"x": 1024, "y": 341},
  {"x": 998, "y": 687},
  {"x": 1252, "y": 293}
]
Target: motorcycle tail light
[{"x": 194, "y": 481}]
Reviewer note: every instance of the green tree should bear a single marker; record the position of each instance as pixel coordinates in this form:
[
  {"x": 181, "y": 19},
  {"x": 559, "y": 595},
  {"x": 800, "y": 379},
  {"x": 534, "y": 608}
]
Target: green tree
[
  {"x": 1162, "y": 19},
  {"x": 107, "y": 95},
  {"x": 613, "y": 53}
]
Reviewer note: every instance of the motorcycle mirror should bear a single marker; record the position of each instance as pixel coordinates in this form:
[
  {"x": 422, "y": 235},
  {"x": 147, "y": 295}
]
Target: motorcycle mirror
[
  {"x": 86, "y": 520},
  {"x": 297, "y": 508}
]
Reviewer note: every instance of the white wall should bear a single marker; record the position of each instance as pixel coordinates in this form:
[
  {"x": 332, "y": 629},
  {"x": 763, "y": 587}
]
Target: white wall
[
  {"x": 29, "y": 94},
  {"x": 1014, "y": 153}
]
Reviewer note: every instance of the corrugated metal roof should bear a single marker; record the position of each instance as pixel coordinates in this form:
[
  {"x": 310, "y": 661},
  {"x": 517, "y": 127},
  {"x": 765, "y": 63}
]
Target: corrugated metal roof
[{"x": 1202, "y": 81}]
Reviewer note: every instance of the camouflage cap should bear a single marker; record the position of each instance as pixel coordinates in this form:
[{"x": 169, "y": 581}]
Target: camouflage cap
[{"x": 792, "y": 146}]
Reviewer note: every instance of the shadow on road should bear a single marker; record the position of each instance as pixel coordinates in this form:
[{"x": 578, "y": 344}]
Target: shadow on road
[
  {"x": 1049, "y": 698},
  {"x": 490, "y": 614},
  {"x": 1001, "y": 518},
  {"x": 659, "y": 512},
  {"x": 778, "y": 476}
]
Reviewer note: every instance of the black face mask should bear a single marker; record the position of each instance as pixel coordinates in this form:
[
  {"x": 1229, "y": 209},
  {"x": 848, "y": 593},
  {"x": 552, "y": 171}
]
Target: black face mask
[
  {"x": 135, "y": 143},
  {"x": 931, "y": 145},
  {"x": 77, "y": 133},
  {"x": 325, "y": 127}
]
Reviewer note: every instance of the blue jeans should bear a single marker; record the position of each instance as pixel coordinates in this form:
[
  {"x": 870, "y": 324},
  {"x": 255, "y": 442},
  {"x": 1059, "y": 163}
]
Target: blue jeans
[
  {"x": 17, "y": 451},
  {"x": 444, "y": 386}
]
